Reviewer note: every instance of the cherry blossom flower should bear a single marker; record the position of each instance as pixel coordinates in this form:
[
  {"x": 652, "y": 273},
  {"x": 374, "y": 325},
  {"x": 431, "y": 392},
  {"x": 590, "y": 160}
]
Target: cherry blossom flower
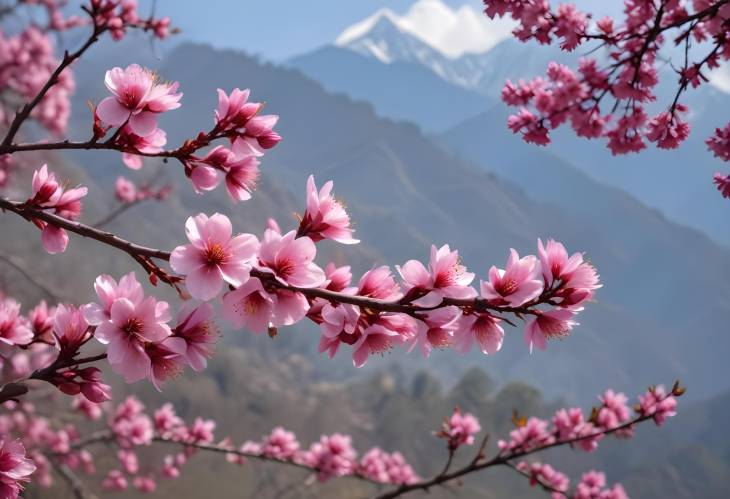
[
  {"x": 196, "y": 327},
  {"x": 445, "y": 277},
  {"x": 435, "y": 329},
  {"x": 130, "y": 327},
  {"x": 14, "y": 328},
  {"x": 138, "y": 98},
  {"x": 482, "y": 329},
  {"x": 515, "y": 285},
  {"x": 325, "y": 217},
  {"x": 556, "y": 323},
  {"x": 15, "y": 468},
  {"x": 107, "y": 291},
  {"x": 290, "y": 259},
  {"x": 214, "y": 256}
]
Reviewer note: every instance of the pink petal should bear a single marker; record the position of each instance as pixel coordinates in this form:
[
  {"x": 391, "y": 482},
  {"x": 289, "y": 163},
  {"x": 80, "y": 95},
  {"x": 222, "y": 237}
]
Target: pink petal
[{"x": 111, "y": 112}]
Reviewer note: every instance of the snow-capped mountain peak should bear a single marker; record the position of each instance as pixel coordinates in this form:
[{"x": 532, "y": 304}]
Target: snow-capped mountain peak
[{"x": 451, "y": 32}]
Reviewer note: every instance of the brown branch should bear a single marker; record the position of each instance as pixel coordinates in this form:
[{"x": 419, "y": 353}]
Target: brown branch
[
  {"x": 74, "y": 482},
  {"x": 500, "y": 460}
]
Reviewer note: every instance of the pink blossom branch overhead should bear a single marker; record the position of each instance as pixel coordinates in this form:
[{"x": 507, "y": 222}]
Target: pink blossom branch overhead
[{"x": 608, "y": 100}]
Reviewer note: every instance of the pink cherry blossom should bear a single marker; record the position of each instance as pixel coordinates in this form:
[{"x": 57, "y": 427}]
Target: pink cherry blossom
[
  {"x": 46, "y": 189},
  {"x": 333, "y": 456},
  {"x": 435, "y": 329},
  {"x": 380, "y": 337},
  {"x": 241, "y": 178},
  {"x": 235, "y": 110},
  {"x": 515, "y": 285},
  {"x": 214, "y": 256},
  {"x": 445, "y": 277},
  {"x": 107, "y": 291},
  {"x": 138, "y": 98},
  {"x": 70, "y": 328},
  {"x": 556, "y": 323},
  {"x": 555, "y": 262},
  {"x": 290, "y": 259},
  {"x": 195, "y": 325},
  {"x": 723, "y": 184},
  {"x": 115, "y": 480},
  {"x": 482, "y": 329},
  {"x": 460, "y": 429},
  {"x": 15, "y": 468},
  {"x": 379, "y": 283},
  {"x": 253, "y": 307},
  {"x": 167, "y": 358},
  {"x": 325, "y": 217},
  {"x": 125, "y": 190},
  {"x": 14, "y": 328},
  {"x": 280, "y": 444},
  {"x": 658, "y": 404},
  {"x": 151, "y": 143},
  {"x": 719, "y": 143},
  {"x": 130, "y": 327}
]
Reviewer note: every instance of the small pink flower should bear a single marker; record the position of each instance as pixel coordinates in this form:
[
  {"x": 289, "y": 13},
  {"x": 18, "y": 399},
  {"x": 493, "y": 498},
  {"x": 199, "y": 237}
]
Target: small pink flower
[
  {"x": 46, "y": 189},
  {"x": 381, "y": 337},
  {"x": 435, "y": 329},
  {"x": 204, "y": 178},
  {"x": 290, "y": 259},
  {"x": 235, "y": 110},
  {"x": 14, "y": 328},
  {"x": 379, "y": 283},
  {"x": 213, "y": 257},
  {"x": 138, "y": 98},
  {"x": 151, "y": 143},
  {"x": 15, "y": 468},
  {"x": 445, "y": 277},
  {"x": 460, "y": 429},
  {"x": 70, "y": 329},
  {"x": 167, "y": 358},
  {"x": 719, "y": 143},
  {"x": 41, "y": 322},
  {"x": 482, "y": 329},
  {"x": 325, "y": 217},
  {"x": 555, "y": 262},
  {"x": 249, "y": 306},
  {"x": 556, "y": 323},
  {"x": 333, "y": 456},
  {"x": 108, "y": 290},
  {"x": 197, "y": 328},
  {"x": 722, "y": 182},
  {"x": 125, "y": 190},
  {"x": 658, "y": 404},
  {"x": 130, "y": 327},
  {"x": 516, "y": 285},
  {"x": 253, "y": 307},
  {"x": 280, "y": 444},
  {"x": 241, "y": 178}
]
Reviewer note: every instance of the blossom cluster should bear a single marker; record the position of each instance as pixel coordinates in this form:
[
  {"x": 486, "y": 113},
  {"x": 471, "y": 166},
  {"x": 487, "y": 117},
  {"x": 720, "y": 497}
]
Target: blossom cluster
[
  {"x": 275, "y": 282},
  {"x": 571, "y": 426},
  {"x": 630, "y": 76},
  {"x": 139, "y": 97},
  {"x": 48, "y": 338},
  {"x": 36, "y": 444},
  {"x": 140, "y": 343}
]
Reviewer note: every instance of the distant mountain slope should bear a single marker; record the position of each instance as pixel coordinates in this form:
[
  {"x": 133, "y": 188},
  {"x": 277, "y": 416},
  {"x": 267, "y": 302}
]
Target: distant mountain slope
[{"x": 399, "y": 90}]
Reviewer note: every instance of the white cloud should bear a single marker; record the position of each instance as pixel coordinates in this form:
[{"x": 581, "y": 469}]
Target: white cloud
[
  {"x": 720, "y": 78},
  {"x": 453, "y": 32}
]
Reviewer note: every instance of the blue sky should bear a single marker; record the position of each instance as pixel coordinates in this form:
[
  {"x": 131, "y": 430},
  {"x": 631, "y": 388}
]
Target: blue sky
[{"x": 278, "y": 29}]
